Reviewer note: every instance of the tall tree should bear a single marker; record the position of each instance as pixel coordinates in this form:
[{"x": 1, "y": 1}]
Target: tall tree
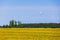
[
  {"x": 15, "y": 23},
  {"x": 12, "y": 23},
  {"x": 19, "y": 24}
]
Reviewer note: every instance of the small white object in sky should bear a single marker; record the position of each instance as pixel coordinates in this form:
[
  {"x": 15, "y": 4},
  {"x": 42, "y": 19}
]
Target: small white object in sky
[{"x": 40, "y": 12}]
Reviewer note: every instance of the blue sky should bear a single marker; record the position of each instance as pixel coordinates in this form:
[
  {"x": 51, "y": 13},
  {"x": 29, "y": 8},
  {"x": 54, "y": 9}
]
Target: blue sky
[{"x": 30, "y": 11}]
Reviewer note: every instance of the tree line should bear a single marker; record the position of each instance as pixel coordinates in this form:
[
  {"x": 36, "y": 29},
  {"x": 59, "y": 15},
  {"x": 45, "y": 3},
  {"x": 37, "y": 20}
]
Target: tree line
[
  {"x": 12, "y": 24},
  {"x": 18, "y": 24}
]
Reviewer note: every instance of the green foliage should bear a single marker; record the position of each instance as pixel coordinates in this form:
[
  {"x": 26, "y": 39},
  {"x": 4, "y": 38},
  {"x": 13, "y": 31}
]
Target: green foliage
[
  {"x": 12, "y": 23},
  {"x": 15, "y": 24},
  {"x": 18, "y": 24}
]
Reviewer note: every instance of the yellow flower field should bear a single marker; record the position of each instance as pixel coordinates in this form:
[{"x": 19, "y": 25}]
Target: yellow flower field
[{"x": 29, "y": 33}]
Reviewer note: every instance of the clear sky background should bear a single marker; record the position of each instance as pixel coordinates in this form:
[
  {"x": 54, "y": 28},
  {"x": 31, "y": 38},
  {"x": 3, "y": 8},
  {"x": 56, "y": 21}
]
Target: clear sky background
[{"x": 30, "y": 11}]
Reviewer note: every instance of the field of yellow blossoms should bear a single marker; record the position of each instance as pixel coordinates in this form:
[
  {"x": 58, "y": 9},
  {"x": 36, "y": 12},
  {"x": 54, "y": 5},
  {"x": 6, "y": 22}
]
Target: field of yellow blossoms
[{"x": 29, "y": 33}]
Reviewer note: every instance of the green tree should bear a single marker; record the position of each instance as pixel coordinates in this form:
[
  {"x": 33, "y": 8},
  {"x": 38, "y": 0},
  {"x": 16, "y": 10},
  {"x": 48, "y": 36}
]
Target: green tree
[
  {"x": 15, "y": 23},
  {"x": 12, "y": 23},
  {"x": 20, "y": 24},
  {"x": 5, "y": 26}
]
